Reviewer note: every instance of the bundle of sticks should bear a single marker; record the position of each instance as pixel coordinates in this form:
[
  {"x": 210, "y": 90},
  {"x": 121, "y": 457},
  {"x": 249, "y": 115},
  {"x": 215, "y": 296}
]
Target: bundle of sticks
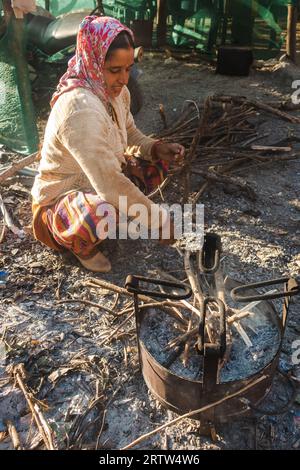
[{"x": 220, "y": 135}]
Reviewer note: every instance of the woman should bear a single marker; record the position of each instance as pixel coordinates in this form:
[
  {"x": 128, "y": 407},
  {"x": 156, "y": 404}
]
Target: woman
[{"x": 90, "y": 139}]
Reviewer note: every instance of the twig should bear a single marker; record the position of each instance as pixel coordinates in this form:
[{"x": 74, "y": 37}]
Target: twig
[
  {"x": 8, "y": 220},
  {"x": 257, "y": 105},
  {"x": 78, "y": 429},
  {"x": 93, "y": 282},
  {"x": 196, "y": 288},
  {"x": 266, "y": 161},
  {"x": 173, "y": 311},
  {"x": 268, "y": 148},
  {"x": 243, "y": 334},
  {"x": 57, "y": 290},
  {"x": 115, "y": 302},
  {"x": 253, "y": 139},
  {"x": 187, "y": 346},
  {"x": 12, "y": 170},
  {"x": 14, "y": 436},
  {"x": 184, "y": 303},
  {"x": 101, "y": 430},
  {"x": 2, "y": 233},
  {"x": 109, "y": 337},
  {"x": 125, "y": 355},
  {"x": 159, "y": 189},
  {"x": 246, "y": 311},
  {"x": 220, "y": 294},
  {"x": 224, "y": 179},
  {"x": 200, "y": 192},
  {"x": 183, "y": 338},
  {"x": 86, "y": 302},
  {"x": 127, "y": 308},
  {"x": 192, "y": 279},
  {"x": 190, "y": 157},
  {"x": 161, "y": 194},
  {"x": 43, "y": 427},
  {"x": 194, "y": 412}
]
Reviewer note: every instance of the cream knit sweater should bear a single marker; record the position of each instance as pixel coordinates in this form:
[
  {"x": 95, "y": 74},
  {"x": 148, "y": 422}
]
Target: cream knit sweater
[{"x": 84, "y": 149}]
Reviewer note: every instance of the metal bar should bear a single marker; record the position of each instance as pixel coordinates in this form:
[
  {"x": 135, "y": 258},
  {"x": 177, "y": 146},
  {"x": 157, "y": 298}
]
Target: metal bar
[
  {"x": 132, "y": 286},
  {"x": 236, "y": 294},
  {"x": 209, "y": 255},
  {"x": 162, "y": 14},
  {"x": 291, "y": 39}
]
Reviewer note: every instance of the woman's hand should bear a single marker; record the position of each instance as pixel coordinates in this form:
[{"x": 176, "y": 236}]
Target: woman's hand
[{"x": 172, "y": 153}]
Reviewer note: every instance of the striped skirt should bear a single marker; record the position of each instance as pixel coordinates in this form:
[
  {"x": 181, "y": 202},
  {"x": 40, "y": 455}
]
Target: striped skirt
[{"x": 71, "y": 223}]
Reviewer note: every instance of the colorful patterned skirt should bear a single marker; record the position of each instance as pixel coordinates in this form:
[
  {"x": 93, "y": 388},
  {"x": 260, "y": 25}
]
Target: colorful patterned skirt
[{"x": 71, "y": 223}]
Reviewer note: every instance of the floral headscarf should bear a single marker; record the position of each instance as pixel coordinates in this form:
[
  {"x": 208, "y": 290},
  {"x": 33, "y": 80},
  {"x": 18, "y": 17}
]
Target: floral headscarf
[{"x": 86, "y": 67}]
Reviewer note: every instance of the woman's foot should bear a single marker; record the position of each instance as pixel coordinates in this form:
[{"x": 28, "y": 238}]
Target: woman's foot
[{"x": 97, "y": 263}]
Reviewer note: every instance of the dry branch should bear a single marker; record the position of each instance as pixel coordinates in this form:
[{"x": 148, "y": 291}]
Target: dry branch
[
  {"x": 217, "y": 138},
  {"x": 2, "y": 233},
  {"x": 14, "y": 436},
  {"x": 42, "y": 425},
  {"x": 86, "y": 302},
  {"x": 113, "y": 333},
  {"x": 225, "y": 179},
  {"x": 258, "y": 105},
  {"x": 269, "y": 148},
  {"x": 191, "y": 154},
  {"x": 194, "y": 412},
  {"x": 13, "y": 169},
  {"x": 168, "y": 307}
]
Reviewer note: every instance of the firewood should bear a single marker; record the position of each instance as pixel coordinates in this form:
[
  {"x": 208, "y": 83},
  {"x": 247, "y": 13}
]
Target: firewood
[
  {"x": 258, "y": 105},
  {"x": 268, "y": 148},
  {"x": 42, "y": 425},
  {"x": 13, "y": 169},
  {"x": 212, "y": 176}
]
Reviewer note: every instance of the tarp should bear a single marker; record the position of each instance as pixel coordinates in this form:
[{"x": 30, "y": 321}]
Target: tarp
[{"x": 17, "y": 118}]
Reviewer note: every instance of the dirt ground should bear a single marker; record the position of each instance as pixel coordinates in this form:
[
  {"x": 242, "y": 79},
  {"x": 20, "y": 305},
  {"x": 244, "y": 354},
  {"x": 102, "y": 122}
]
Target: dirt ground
[{"x": 89, "y": 386}]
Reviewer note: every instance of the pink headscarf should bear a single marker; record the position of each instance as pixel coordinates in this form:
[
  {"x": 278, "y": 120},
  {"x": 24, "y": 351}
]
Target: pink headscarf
[{"x": 85, "y": 68}]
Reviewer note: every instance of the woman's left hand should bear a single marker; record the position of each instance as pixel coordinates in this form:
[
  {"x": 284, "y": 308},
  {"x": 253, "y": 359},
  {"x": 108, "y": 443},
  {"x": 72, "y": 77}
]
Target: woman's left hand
[{"x": 173, "y": 153}]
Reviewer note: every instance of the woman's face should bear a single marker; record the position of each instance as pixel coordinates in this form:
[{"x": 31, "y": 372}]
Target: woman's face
[{"x": 117, "y": 69}]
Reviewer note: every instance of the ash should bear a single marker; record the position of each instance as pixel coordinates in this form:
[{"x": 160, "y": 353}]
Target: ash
[
  {"x": 190, "y": 241},
  {"x": 158, "y": 330},
  {"x": 245, "y": 361}
]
